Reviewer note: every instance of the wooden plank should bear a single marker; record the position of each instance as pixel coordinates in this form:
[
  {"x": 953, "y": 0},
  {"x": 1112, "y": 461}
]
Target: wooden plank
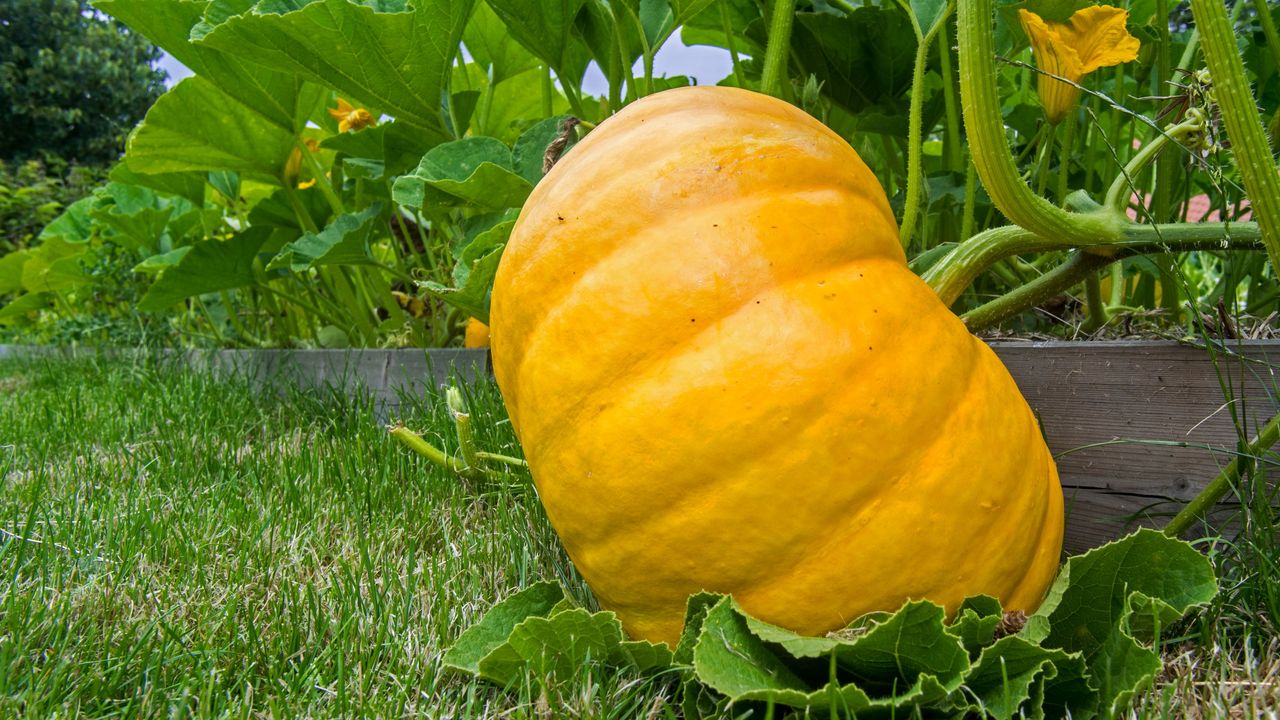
[
  {"x": 1111, "y": 411},
  {"x": 1105, "y": 405}
]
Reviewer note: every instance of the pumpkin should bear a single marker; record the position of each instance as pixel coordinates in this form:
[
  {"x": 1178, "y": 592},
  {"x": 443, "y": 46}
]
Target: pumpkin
[
  {"x": 770, "y": 404},
  {"x": 476, "y": 335}
]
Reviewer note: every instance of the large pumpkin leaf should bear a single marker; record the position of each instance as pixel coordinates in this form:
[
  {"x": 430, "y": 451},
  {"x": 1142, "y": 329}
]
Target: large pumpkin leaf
[
  {"x": 187, "y": 185},
  {"x": 474, "y": 296},
  {"x": 11, "y": 270},
  {"x": 394, "y": 62},
  {"x": 538, "y": 631},
  {"x": 196, "y": 126},
  {"x": 345, "y": 241},
  {"x": 54, "y": 264},
  {"x": 1106, "y": 603},
  {"x": 280, "y": 97},
  {"x": 489, "y": 42},
  {"x": 545, "y": 28},
  {"x": 475, "y": 171},
  {"x": 17, "y": 309},
  {"x": 864, "y": 59},
  {"x": 904, "y": 664},
  {"x": 209, "y": 266},
  {"x": 74, "y": 225}
]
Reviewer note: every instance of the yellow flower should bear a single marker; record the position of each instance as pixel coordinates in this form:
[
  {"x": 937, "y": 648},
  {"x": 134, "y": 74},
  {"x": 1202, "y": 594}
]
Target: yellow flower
[
  {"x": 306, "y": 184},
  {"x": 351, "y": 118},
  {"x": 293, "y": 166},
  {"x": 1095, "y": 37}
]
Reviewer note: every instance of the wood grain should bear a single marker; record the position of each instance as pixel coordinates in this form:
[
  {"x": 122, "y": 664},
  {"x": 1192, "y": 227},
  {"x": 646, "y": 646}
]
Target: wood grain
[{"x": 1138, "y": 428}]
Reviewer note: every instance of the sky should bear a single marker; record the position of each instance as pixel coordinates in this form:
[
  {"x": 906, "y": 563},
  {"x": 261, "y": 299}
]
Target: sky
[{"x": 708, "y": 65}]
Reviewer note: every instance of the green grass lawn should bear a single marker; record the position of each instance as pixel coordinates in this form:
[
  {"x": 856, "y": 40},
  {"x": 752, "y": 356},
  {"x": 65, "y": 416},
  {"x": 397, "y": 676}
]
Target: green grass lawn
[{"x": 176, "y": 546}]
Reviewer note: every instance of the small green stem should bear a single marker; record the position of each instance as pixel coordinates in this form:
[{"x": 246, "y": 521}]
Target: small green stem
[
  {"x": 730, "y": 39},
  {"x": 1249, "y": 143},
  {"x": 414, "y": 442},
  {"x": 321, "y": 178},
  {"x": 1122, "y": 187},
  {"x": 1064, "y": 158},
  {"x": 774, "y": 75},
  {"x": 1093, "y": 300},
  {"x": 1227, "y": 479},
  {"x": 1268, "y": 30},
  {"x": 915, "y": 150},
  {"x": 985, "y": 126},
  {"x": 970, "y": 201},
  {"x": 503, "y": 459},
  {"x": 1069, "y": 273},
  {"x": 462, "y": 421},
  {"x": 953, "y": 146}
]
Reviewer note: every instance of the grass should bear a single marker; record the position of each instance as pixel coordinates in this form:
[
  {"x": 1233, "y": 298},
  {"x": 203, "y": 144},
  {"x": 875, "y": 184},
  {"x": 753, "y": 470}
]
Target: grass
[{"x": 176, "y": 546}]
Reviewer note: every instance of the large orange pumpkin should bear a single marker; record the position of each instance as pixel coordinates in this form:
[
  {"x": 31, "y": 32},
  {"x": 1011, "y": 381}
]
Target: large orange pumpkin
[{"x": 769, "y": 403}]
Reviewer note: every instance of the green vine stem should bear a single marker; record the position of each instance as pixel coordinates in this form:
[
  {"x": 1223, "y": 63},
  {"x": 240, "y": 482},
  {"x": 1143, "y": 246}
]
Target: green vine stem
[
  {"x": 414, "y": 442},
  {"x": 1093, "y": 300},
  {"x": 462, "y": 421},
  {"x": 915, "y": 164},
  {"x": 952, "y": 274},
  {"x": 774, "y": 75},
  {"x": 1268, "y": 29},
  {"x": 1227, "y": 479},
  {"x": 1074, "y": 269},
  {"x": 1122, "y": 187},
  {"x": 1249, "y": 143},
  {"x": 980, "y": 102}
]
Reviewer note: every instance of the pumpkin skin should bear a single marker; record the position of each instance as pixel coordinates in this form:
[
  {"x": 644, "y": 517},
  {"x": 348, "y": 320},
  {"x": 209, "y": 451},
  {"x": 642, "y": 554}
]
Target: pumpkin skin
[
  {"x": 770, "y": 404},
  {"x": 476, "y": 336}
]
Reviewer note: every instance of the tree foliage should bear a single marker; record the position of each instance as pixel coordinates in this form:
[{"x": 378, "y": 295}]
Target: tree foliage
[{"x": 73, "y": 82}]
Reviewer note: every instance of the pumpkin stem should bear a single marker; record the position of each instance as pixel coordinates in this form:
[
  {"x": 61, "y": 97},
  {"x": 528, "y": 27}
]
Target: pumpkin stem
[
  {"x": 1229, "y": 478},
  {"x": 774, "y": 76}
]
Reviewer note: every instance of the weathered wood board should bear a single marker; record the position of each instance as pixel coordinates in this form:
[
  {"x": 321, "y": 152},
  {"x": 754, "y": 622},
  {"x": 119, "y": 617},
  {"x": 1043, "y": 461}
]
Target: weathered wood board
[
  {"x": 1102, "y": 403},
  {"x": 1112, "y": 411}
]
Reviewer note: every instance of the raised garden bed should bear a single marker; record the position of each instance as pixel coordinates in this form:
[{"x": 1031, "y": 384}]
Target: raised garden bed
[{"x": 1138, "y": 427}]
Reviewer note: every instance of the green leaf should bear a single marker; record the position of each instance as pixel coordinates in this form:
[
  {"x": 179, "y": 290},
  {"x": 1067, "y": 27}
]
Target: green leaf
[
  {"x": 928, "y": 13},
  {"x": 74, "y": 225},
  {"x": 154, "y": 264},
  {"x": 279, "y": 97},
  {"x": 209, "y": 266},
  {"x": 481, "y": 245},
  {"x": 537, "y": 631},
  {"x": 473, "y": 297},
  {"x": 545, "y": 28},
  {"x": 54, "y": 264},
  {"x": 188, "y": 185},
  {"x": 476, "y": 171},
  {"x": 495, "y": 627},
  {"x": 398, "y": 145},
  {"x": 394, "y": 62},
  {"x": 344, "y": 241},
  {"x": 16, "y": 310},
  {"x": 695, "y": 613},
  {"x": 196, "y": 126},
  {"x": 734, "y": 661},
  {"x": 864, "y": 60},
  {"x": 1107, "y": 601},
  {"x": 11, "y": 270},
  {"x": 976, "y": 622},
  {"x": 487, "y": 39},
  {"x": 1005, "y": 676},
  {"x": 531, "y": 147},
  {"x": 554, "y": 646},
  {"x": 134, "y": 216}
]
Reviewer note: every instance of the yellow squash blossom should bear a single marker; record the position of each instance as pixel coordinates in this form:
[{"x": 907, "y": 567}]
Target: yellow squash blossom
[
  {"x": 1095, "y": 37},
  {"x": 351, "y": 118},
  {"x": 293, "y": 166}
]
